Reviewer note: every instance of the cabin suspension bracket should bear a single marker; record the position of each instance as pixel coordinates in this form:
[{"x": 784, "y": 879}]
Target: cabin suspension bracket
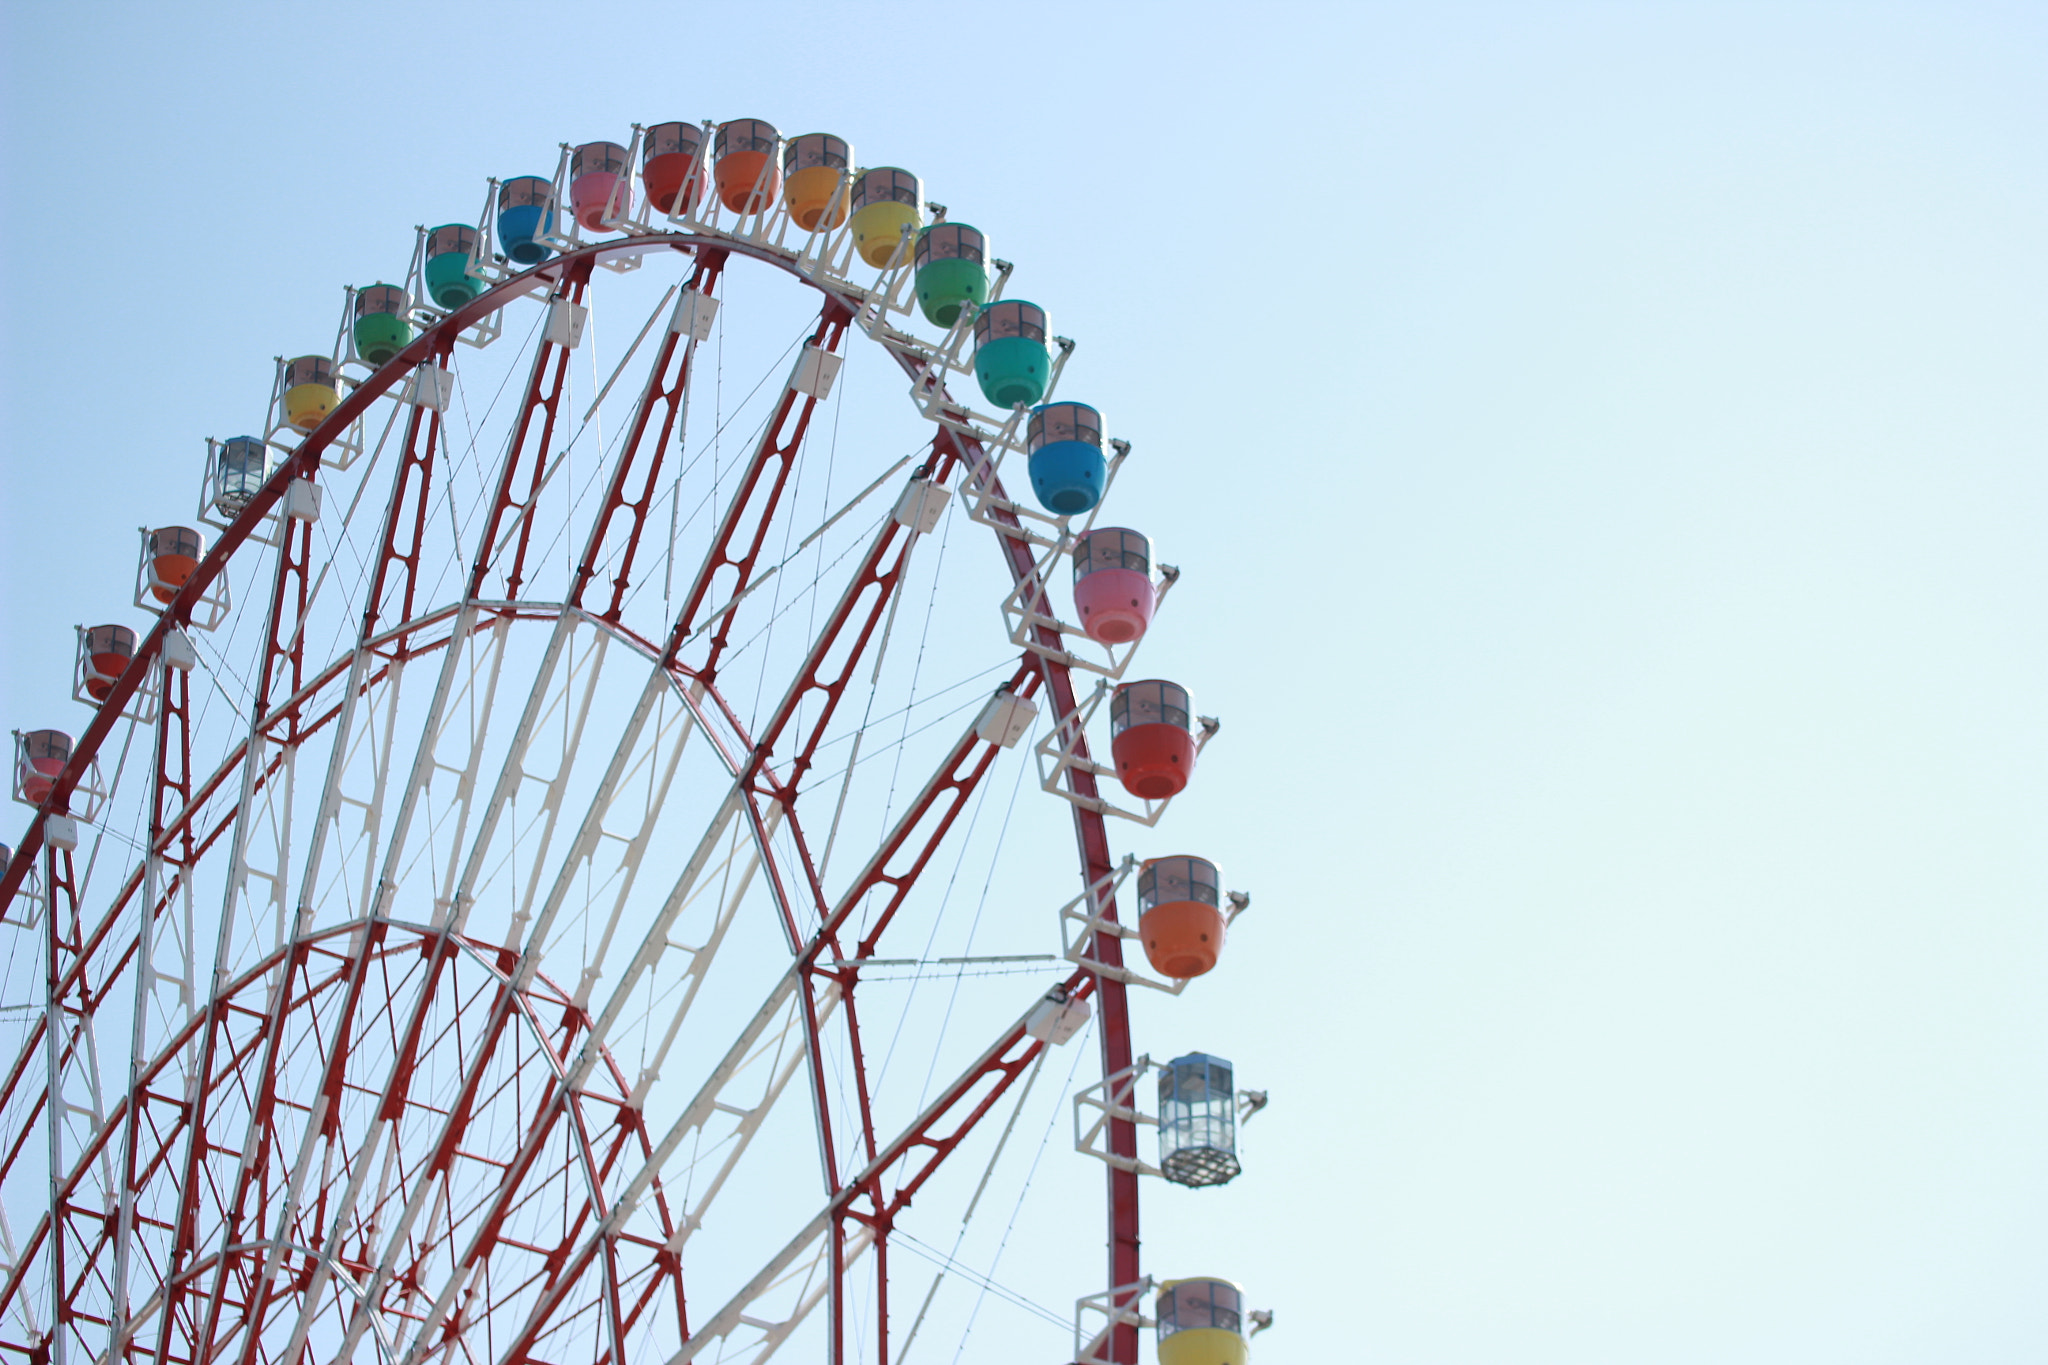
[
  {"x": 1197, "y": 1140},
  {"x": 1027, "y": 610},
  {"x": 1058, "y": 752},
  {"x": 1082, "y": 919},
  {"x": 1121, "y": 1306}
]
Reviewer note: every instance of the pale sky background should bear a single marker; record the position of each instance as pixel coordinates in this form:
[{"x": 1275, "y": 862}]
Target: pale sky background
[{"x": 1607, "y": 446}]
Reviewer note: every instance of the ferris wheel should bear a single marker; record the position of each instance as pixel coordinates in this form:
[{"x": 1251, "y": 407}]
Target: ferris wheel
[{"x": 583, "y": 832}]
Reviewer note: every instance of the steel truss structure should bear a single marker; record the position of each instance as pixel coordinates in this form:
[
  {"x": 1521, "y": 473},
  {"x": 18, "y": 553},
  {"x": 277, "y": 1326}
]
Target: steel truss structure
[{"x": 364, "y": 1055}]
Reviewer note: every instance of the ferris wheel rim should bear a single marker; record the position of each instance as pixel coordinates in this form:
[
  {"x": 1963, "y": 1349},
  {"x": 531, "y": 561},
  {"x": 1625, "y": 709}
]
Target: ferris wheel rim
[
  {"x": 477, "y": 951},
  {"x": 433, "y": 342},
  {"x": 431, "y": 346}
]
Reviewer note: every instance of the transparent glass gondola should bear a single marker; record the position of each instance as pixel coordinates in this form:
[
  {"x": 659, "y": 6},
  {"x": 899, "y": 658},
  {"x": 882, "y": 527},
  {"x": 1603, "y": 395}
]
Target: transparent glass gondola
[
  {"x": 236, "y": 470},
  {"x": 1198, "y": 1121}
]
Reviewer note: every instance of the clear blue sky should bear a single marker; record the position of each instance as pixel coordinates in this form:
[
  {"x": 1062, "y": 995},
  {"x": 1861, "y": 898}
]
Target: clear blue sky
[{"x": 1606, "y": 446}]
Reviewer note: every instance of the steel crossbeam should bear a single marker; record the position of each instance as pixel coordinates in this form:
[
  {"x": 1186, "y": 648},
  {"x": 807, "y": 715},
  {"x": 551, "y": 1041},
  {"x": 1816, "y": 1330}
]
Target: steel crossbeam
[
  {"x": 744, "y": 528},
  {"x": 405, "y": 525},
  {"x": 621, "y": 518},
  {"x": 527, "y": 454}
]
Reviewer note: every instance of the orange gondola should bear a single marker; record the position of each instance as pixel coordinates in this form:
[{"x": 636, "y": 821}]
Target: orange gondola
[
  {"x": 1180, "y": 914},
  {"x": 103, "y": 655},
  {"x": 174, "y": 552}
]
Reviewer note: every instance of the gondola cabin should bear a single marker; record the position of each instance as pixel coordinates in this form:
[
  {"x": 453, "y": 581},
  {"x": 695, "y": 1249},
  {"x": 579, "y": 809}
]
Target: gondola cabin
[
  {"x": 1198, "y": 1121},
  {"x": 526, "y": 213},
  {"x": 888, "y": 209},
  {"x": 40, "y": 756},
  {"x": 743, "y": 164},
  {"x": 310, "y": 391},
  {"x": 672, "y": 166},
  {"x": 814, "y": 169},
  {"x": 1066, "y": 460},
  {"x": 103, "y": 655},
  {"x": 450, "y": 249},
  {"x": 1151, "y": 738},
  {"x": 1180, "y": 915},
  {"x": 1113, "y": 590},
  {"x": 1201, "y": 1322},
  {"x": 241, "y": 464},
  {"x": 383, "y": 326},
  {"x": 599, "y": 192},
  {"x": 1012, "y": 363},
  {"x": 173, "y": 553},
  {"x": 952, "y": 271}
]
